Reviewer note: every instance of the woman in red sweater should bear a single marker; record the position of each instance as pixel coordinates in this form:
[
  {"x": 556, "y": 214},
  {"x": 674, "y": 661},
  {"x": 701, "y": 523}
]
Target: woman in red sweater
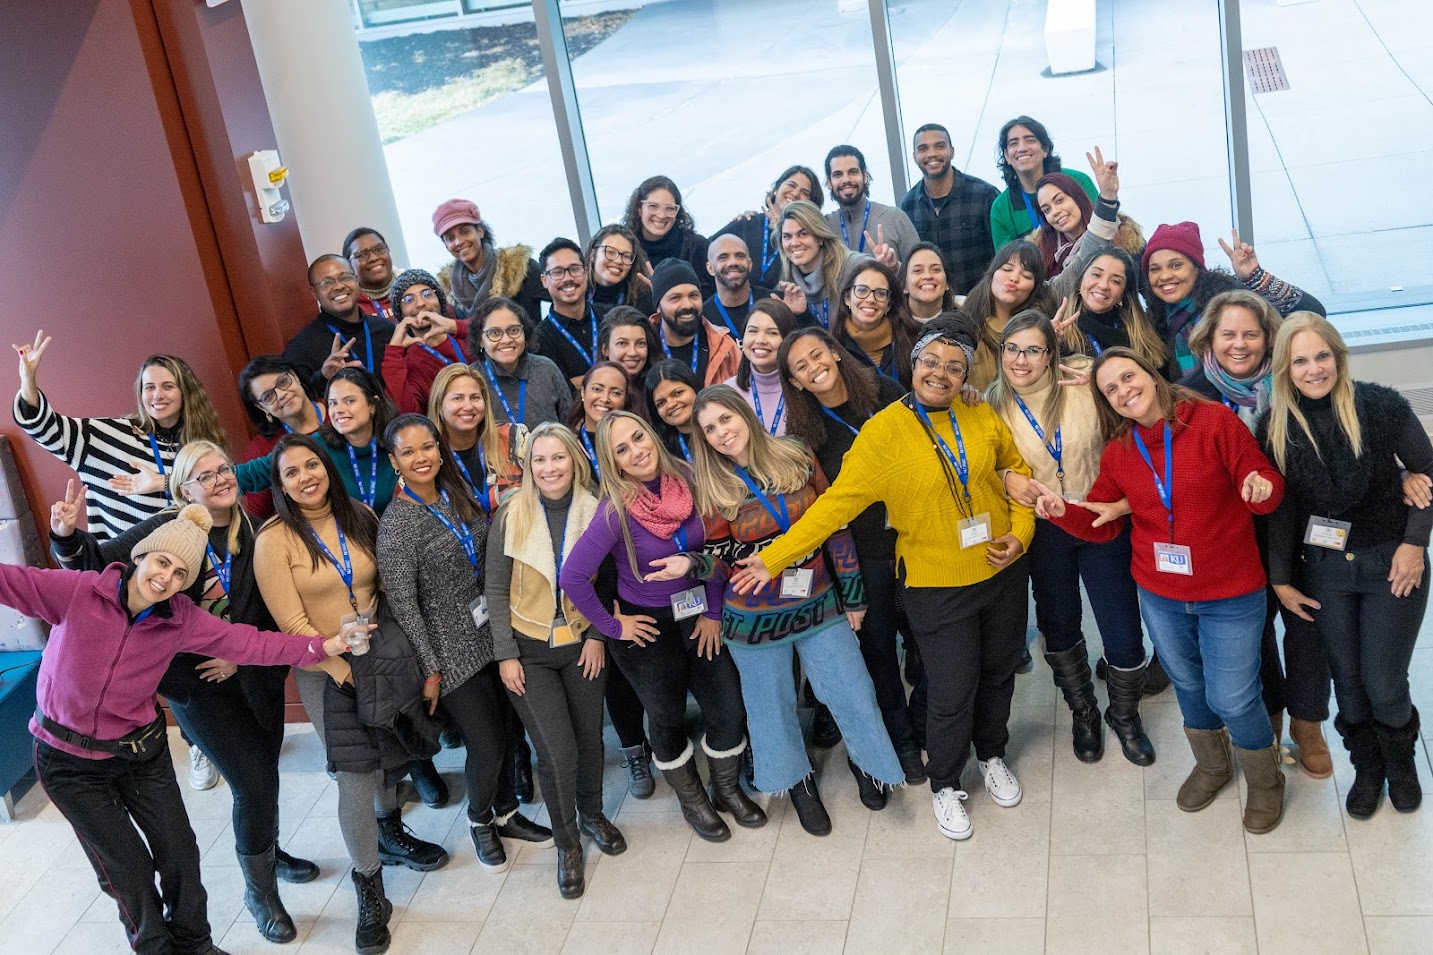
[{"x": 1190, "y": 476}]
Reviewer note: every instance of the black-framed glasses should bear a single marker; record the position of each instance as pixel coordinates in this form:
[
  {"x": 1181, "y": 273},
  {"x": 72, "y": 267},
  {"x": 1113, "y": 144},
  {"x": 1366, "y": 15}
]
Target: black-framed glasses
[
  {"x": 1013, "y": 351},
  {"x": 208, "y": 479},
  {"x": 863, "y": 292},
  {"x": 514, "y": 332},
  {"x": 371, "y": 253},
  {"x": 284, "y": 382},
  {"x": 575, "y": 271},
  {"x": 617, "y": 255},
  {"x": 952, "y": 368}
]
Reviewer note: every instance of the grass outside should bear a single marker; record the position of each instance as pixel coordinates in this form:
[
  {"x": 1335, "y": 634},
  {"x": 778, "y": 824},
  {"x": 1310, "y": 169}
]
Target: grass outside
[{"x": 421, "y": 80}]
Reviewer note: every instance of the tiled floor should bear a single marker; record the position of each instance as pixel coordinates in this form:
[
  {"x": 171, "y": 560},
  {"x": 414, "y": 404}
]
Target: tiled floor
[{"x": 1096, "y": 858}]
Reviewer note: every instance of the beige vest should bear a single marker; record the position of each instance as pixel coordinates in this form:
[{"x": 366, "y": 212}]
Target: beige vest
[{"x": 534, "y": 572}]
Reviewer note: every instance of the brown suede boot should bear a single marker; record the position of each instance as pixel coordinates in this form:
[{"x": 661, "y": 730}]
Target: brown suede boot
[
  {"x": 1212, "y": 769},
  {"x": 1313, "y": 749},
  {"x": 1264, "y": 804},
  {"x": 1276, "y": 720}
]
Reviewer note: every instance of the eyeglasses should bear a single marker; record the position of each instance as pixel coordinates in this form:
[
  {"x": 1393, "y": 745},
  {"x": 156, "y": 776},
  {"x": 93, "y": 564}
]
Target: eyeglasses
[
  {"x": 952, "y": 368},
  {"x": 616, "y": 254},
  {"x": 656, "y": 208},
  {"x": 1013, "y": 351},
  {"x": 863, "y": 292},
  {"x": 343, "y": 278},
  {"x": 427, "y": 295},
  {"x": 575, "y": 271},
  {"x": 515, "y": 332},
  {"x": 208, "y": 479},
  {"x": 371, "y": 253},
  {"x": 284, "y": 382}
]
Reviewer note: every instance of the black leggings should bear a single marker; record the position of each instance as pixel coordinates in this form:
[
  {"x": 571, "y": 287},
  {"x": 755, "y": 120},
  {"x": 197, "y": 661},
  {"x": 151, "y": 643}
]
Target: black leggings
[{"x": 478, "y": 707}]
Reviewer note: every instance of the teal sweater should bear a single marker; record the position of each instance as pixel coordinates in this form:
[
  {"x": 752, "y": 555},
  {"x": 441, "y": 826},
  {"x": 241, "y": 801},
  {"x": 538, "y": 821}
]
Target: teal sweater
[{"x": 1008, "y": 224}]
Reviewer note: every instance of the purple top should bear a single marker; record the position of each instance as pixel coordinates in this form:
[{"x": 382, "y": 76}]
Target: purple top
[{"x": 604, "y": 536}]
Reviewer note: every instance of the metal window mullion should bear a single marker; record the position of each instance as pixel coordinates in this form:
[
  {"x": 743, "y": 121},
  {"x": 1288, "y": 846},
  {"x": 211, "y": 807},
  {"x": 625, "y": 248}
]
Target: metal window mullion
[
  {"x": 890, "y": 94},
  {"x": 1236, "y": 119},
  {"x": 570, "y": 136}
]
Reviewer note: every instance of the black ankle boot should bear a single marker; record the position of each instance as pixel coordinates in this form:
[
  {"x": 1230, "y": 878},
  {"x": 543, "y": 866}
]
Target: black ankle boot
[
  {"x": 397, "y": 845},
  {"x": 429, "y": 783},
  {"x": 874, "y": 794},
  {"x": 1400, "y": 764},
  {"x": 1071, "y": 669},
  {"x": 522, "y": 771},
  {"x": 488, "y": 845},
  {"x": 697, "y": 809},
  {"x": 570, "y": 881},
  {"x": 1125, "y": 687},
  {"x": 292, "y": 869},
  {"x": 727, "y": 794},
  {"x": 824, "y": 731},
  {"x": 605, "y": 836},
  {"x": 1361, "y": 741},
  {"x": 261, "y": 897},
  {"x": 810, "y": 811},
  {"x": 374, "y": 911}
]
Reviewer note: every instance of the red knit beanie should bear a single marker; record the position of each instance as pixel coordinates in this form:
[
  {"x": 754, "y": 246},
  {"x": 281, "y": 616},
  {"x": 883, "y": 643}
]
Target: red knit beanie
[{"x": 1182, "y": 237}]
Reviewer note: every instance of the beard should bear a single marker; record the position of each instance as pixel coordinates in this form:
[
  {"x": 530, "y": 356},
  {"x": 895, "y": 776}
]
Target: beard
[
  {"x": 684, "y": 321},
  {"x": 855, "y": 200},
  {"x": 731, "y": 280}
]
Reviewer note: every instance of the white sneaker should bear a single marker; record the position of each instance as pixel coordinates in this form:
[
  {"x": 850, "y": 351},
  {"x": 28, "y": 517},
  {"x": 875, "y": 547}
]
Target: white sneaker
[
  {"x": 950, "y": 815},
  {"x": 202, "y": 774},
  {"x": 1000, "y": 782}
]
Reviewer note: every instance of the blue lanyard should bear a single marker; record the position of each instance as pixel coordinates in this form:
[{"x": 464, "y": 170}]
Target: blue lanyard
[
  {"x": 1165, "y": 487},
  {"x": 961, "y": 465},
  {"x": 591, "y": 451},
  {"x": 590, "y": 357},
  {"x": 680, "y": 539},
  {"x": 480, "y": 490},
  {"x": 318, "y": 412},
  {"x": 864, "y": 219},
  {"x": 726, "y": 316},
  {"x": 439, "y": 355},
  {"x": 767, "y": 260},
  {"x": 780, "y": 410},
  {"x": 372, "y": 494},
  {"x": 696, "y": 351},
  {"x": 139, "y": 617},
  {"x": 1030, "y": 209},
  {"x": 159, "y": 463},
  {"x": 1055, "y": 448},
  {"x": 839, "y": 420},
  {"x": 1095, "y": 344},
  {"x": 782, "y": 518},
  {"x": 521, "y": 393},
  {"x": 557, "y": 561},
  {"x": 686, "y": 448},
  {"x": 825, "y": 314},
  {"x": 367, "y": 343},
  {"x": 1230, "y": 403},
  {"x": 461, "y": 531},
  {"x": 345, "y": 570},
  {"x": 224, "y": 570}
]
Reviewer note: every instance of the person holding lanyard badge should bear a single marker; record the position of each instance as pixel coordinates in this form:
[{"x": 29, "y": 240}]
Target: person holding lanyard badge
[
  {"x": 664, "y": 632},
  {"x": 358, "y": 411},
  {"x": 935, "y": 463},
  {"x": 529, "y": 388},
  {"x": 752, "y": 486},
  {"x": 1190, "y": 477},
  {"x": 486, "y": 453},
  {"x": 758, "y": 377}
]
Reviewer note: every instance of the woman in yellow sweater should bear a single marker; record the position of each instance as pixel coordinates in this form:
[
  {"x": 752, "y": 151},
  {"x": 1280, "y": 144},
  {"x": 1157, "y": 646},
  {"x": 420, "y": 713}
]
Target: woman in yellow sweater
[{"x": 936, "y": 463}]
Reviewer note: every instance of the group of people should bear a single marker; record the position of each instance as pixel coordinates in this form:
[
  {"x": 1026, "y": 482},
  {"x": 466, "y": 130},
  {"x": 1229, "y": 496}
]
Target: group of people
[{"x": 486, "y": 505}]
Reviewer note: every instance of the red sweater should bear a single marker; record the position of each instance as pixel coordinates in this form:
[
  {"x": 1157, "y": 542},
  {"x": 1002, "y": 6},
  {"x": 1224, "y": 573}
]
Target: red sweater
[
  {"x": 1213, "y": 453},
  {"x": 408, "y": 373}
]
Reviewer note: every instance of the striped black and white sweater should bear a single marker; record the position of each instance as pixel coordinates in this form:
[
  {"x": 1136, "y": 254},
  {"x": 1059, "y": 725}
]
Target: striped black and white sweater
[{"x": 99, "y": 449}]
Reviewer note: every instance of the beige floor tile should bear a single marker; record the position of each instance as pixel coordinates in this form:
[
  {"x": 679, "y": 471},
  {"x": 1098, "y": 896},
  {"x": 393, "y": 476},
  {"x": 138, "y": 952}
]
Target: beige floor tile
[
  {"x": 1112, "y": 888},
  {"x": 1002, "y": 870},
  {"x": 814, "y": 877},
  {"x": 29, "y": 852},
  {"x": 712, "y": 907},
  {"x": 797, "y": 938},
  {"x": 1112, "y": 776},
  {"x": 95, "y": 938},
  {"x": 529, "y": 915},
  {"x": 45, "y": 915},
  {"x": 995, "y": 936},
  {"x": 1109, "y": 825},
  {"x": 462, "y": 891},
  {"x": 1096, "y": 935},
  {"x": 900, "y": 905},
  {"x": 1199, "y": 881},
  {"x": 1170, "y": 829},
  {"x": 1313, "y": 819},
  {"x": 1202, "y": 936},
  {"x": 905, "y": 829},
  {"x": 243, "y": 938},
  {"x": 1305, "y": 901},
  {"x": 1399, "y": 935},
  {"x": 435, "y": 938},
  {"x": 1393, "y": 861},
  {"x": 745, "y": 845},
  {"x": 611, "y": 938},
  {"x": 635, "y": 886}
]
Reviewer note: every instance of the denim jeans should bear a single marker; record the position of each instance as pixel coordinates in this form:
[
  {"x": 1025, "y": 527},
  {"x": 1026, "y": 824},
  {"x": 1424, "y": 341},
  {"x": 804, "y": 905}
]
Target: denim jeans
[
  {"x": 1210, "y": 649},
  {"x": 1058, "y": 562},
  {"x": 831, "y": 658}
]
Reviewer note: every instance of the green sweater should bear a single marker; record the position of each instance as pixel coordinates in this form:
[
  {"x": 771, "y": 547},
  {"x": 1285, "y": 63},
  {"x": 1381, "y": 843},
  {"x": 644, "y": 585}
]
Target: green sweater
[{"x": 1008, "y": 224}]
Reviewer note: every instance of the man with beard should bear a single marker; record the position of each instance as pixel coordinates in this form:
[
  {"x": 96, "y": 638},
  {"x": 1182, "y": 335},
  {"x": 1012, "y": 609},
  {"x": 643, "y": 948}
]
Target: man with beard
[
  {"x": 865, "y": 225},
  {"x": 729, "y": 262},
  {"x": 711, "y": 353},
  {"x": 568, "y": 335},
  {"x": 367, "y": 252},
  {"x": 340, "y": 336},
  {"x": 950, "y": 209}
]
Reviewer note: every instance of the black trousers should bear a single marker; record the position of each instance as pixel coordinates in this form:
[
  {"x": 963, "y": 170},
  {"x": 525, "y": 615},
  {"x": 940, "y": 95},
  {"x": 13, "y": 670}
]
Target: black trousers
[
  {"x": 971, "y": 642},
  {"x": 478, "y": 707},
  {"x": 131, "y": 823},
  {"x": 885, "y": 619},
  {"x": 624, "y": 708},
  {"x": 1300, "y": 682}
]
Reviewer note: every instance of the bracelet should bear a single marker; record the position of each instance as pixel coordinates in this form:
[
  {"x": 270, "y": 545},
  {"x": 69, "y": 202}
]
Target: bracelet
[{"x": 433, "y": 680}]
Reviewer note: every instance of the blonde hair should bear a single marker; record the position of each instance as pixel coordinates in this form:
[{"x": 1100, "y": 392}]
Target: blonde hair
[
  {"x": 618, "y": 490},
  {"x": 198, "y": 421},
  {"x": 780, "y": 465},
  {"x": 1285, "y": 400},
  {"x": 182, "y": 472},
  {"x": 489, "y": 435},
  {"x": 524, "y": 510},
  {"x": 809, "y": 217},
  {"x": 1202, "y": 338}
]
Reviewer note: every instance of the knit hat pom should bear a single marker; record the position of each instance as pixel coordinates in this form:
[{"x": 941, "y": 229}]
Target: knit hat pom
[
  {"x": 183, "y": 538},
  {"x": 197, "y": 514}
]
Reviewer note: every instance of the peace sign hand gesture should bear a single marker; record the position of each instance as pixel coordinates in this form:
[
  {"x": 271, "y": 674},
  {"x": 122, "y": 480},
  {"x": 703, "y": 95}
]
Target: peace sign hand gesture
[
  {"x": 339, "y": 357},
  {"x": 1241, "y": 256},
  {"x": 1065, "y": 316},
  {"x": 30, "y": 355},
  {"x": 65, "y": 514},
  {"x": 883, "y": 253},
  {"x": 1107, "y": 175}
]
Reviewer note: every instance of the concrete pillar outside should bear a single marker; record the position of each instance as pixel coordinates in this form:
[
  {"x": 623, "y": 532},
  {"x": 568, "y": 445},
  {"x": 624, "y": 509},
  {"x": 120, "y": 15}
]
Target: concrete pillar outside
[{"x": 323, "y": 119}]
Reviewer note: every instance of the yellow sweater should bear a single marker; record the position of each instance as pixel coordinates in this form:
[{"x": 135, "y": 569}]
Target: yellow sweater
[{"x": 892, "y": 461}]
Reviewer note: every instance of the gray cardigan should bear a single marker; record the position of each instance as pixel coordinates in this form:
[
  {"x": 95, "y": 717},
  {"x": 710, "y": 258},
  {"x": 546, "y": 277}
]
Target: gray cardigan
[
  {"x": 548, "y": 397},
  {"x": 430, "y": 583}
]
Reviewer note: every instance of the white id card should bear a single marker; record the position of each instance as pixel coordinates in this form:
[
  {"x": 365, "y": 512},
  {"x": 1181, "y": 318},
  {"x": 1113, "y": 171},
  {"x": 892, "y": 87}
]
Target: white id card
[
  {"x": 479, "y": 609},
  {"x": 796, "y": 582},
  {"x": 689, "y": 603},
  {"x": 974, "y": 530},
  {"x": 1325, "y": 532},
  {"x": 1173, "y": 559}
]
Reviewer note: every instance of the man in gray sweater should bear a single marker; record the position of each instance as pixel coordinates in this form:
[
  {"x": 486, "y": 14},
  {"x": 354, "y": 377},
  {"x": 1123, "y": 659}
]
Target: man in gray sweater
[{"x": 857, "y": 215}]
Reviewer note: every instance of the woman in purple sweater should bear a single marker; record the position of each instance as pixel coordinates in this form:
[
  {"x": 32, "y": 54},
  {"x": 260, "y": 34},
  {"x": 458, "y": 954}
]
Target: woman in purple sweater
[
  {"x": 666, "y": 634},
  {"x": 101, "y": 749}
]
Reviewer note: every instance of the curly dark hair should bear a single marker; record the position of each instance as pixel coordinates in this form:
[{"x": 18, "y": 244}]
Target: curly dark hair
[
  {"x": 632, "y": 218},
  {"x": 804, "y": 417},
  {"x": 1007, "y": 172}
]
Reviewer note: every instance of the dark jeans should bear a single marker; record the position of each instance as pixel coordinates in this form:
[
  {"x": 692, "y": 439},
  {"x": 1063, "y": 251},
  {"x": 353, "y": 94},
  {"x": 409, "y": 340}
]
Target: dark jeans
[
  {"x": 885, "y": 618},
  {"x": 239, "y": 724},
  {"x": 562, "y": 711},
  {"x": 109, "y": 803},
  {"x": 1058, "y": 562},
  {"x": 1369, "y": 633},
  {"x": 1301, "y": 683},
  {"x": 971, "y": 642},
  {"x": 664, "y": 670},
  {"x": 478, "y": 708},
  {"x": 624, "y": 708}
]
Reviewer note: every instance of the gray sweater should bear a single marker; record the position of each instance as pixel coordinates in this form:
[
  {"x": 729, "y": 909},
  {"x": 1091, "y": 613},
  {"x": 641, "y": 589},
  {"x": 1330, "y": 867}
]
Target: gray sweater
[
  {"x": 897, "y": 228},
  {"x": 430, "y": 583},
  {"x": 548, "y": 394}
]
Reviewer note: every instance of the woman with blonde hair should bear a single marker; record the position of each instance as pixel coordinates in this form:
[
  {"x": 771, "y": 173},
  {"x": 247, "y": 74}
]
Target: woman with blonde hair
[
  {"x": 1363, "y": 550},
  {"x": 487, "y": 454},
  {"x": 812, "y": 256}
]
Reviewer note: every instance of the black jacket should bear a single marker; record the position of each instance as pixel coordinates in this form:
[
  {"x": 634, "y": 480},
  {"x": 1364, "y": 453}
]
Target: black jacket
[{"x": 313, "y": 343}]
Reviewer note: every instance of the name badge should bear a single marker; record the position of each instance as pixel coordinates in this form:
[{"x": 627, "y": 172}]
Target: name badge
[
  {"x": 796, "y": 582},
  {"x": 974, "y": 530},
  {"x": 689, "y": 603},
  {"x": 479, "y": 609},
  {"x": 1323, "y": 532},
  {"x": 561, "y": 635},
  {"x": 1173, "y": 559}
]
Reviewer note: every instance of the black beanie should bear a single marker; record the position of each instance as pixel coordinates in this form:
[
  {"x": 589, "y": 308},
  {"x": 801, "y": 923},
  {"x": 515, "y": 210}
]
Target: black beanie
[
  {"x": 669, "y": 274},
  {"x": 409, "y": 278}
]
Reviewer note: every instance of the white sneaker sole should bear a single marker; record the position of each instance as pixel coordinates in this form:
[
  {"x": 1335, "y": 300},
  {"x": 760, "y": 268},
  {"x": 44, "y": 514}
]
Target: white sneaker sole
[
  {"x": 959, "y": 835},
  {"x": 1006, "y": 803}
]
